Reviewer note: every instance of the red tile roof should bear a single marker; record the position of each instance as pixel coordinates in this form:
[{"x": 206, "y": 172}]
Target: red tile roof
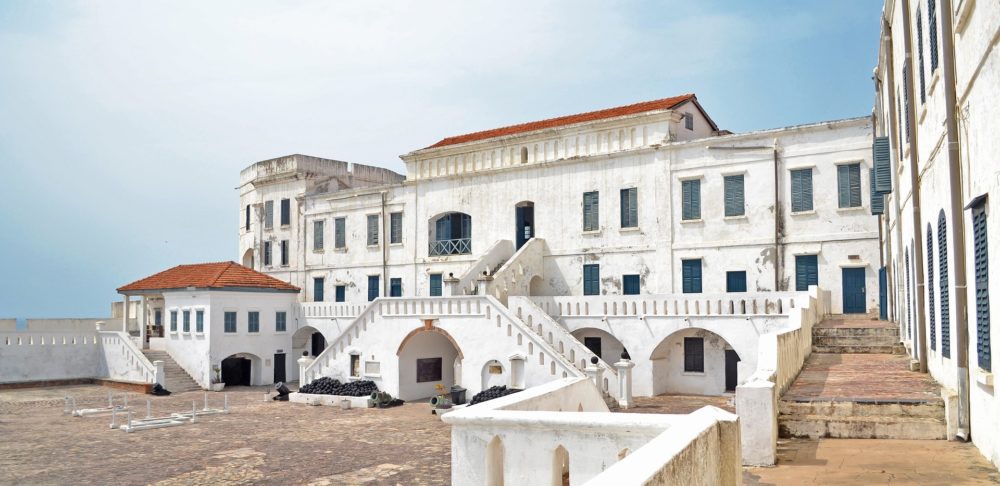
[
  {"x": 664, "y": 104},
  {"x": 208, "y": 275}
]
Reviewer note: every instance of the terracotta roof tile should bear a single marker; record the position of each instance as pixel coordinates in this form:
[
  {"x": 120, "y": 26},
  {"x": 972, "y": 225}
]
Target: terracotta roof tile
[
  {"x": 663, "y": 104},
  {"x": 208, "y": 275}
]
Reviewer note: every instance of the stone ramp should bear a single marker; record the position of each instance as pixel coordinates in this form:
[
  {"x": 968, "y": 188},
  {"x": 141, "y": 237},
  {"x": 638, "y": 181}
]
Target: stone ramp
[
  {"x": 177, "y": 379},
  {"x": 865, "y": 391}
]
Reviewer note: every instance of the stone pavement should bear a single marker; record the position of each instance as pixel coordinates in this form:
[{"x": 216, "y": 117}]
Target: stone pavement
[
  {"x": 861, "y": 377},
  {"x": 854, "y": 462},
  {"x": 259, "y": 442},
  {"x": 680, "y": 403}
]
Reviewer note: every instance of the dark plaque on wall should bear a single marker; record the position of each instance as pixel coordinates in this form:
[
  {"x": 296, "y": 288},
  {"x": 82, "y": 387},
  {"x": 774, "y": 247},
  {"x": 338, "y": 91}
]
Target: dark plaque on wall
[{"x": 428, "y": 369}]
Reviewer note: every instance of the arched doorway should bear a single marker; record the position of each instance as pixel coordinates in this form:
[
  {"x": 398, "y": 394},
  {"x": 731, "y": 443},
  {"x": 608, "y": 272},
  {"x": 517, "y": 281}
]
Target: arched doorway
[
  {"x": 451, "y": 234},
  {"x": 696, "y": 362},
  {"x": 306, "y": 339},
  {"x": 601, "y": 343},
  {"x": 427, "y": 358},
  {"x": 494, "y": 374},
  {"x": 248, "y": 258},
  {"x": 241, "y": 369},
  {"x": 524, "y": 215}
]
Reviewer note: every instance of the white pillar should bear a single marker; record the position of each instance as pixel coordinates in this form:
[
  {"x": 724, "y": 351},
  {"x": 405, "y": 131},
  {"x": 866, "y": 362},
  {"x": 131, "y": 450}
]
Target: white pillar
[
  {"x": 451, "y": 288},
  {"x": 125, "y": 315},
  {"x": 596, "y": 374},
  {"x": 625, "y": 383},
  {"x": 304, "y": 363},
  {"x": 755, "y": 404},
  {"x": 161, "y": 375},
  {"x": 142, "y": 322}
]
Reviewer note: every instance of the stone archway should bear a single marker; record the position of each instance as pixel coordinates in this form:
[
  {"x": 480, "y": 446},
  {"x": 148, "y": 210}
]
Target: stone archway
[
  {"x": 692, "y": 361},
  {"x": 241, "y": 369},
  {"x": 427, "y": 358}
]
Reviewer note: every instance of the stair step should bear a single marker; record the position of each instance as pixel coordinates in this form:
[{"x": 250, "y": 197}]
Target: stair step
[
  {"x": 927, "y": 409},
  {"x": 855, "y": 332},
  {"x": 879, "y": 427},
  {"x": 855, "y": 340},
  {"x": 860, "y": 349},
  {"x": 177, "y": 379}
]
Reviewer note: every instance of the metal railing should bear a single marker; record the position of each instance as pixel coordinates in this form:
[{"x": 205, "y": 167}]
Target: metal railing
[{"x": 462, "y": 246}]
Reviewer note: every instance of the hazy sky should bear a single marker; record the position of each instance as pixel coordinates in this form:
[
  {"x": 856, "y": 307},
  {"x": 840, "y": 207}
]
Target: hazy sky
[{"x": 124, "y": 124}]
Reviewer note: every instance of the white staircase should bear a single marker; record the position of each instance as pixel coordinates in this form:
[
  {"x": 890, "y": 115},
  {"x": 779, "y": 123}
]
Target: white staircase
[{"x": 177, "y": 380}]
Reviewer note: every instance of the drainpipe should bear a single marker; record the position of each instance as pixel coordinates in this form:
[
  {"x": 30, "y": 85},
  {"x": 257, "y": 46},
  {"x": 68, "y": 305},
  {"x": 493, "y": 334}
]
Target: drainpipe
[
  {"x": 779, "y": 224},
  {"x": 918, "y": 254},
  {"x": 385, "y": 248},
  {"x": 957, "y": 221}
]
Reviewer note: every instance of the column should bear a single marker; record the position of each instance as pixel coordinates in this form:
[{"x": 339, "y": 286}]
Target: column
[
  {"x": 125, "y": 314},
  {"x": 596, "y": 373},
  {"x": 142, "y": 322},
  {"x": 304, "y": 363},
  {"x": 625, "y": 383}
]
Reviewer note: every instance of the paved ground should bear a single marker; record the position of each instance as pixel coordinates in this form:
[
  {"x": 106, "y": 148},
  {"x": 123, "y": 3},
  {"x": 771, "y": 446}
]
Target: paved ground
[
  {"x": 681, "y": 403},
  {"x": 258, "y": 442},
  {"x": 854, "y": 462},
  {"x": 857, "y": 377}
]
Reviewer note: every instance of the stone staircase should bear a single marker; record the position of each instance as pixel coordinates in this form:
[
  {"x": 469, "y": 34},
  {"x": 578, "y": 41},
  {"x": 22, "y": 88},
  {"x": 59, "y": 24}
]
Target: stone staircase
[
  {"x": 177, "y": 380},
  {"x": 858, "y": 384}
]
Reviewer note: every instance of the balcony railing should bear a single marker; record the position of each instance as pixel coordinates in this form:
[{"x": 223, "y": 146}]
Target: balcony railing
[{"x": 461, "y": 246}]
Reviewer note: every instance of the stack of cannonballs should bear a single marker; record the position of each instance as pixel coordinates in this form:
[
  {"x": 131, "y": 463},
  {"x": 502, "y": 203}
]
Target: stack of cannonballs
[
  {"x": 330, "y": 386},
  {"x": 491, "y": 393}
]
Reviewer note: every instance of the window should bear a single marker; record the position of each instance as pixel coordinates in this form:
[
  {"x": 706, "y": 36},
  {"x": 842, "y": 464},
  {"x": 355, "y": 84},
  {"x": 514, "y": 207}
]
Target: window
[
  {"x": 372, "y": 287},
  {"x": 882, "y": 158},
  {"x": 280, "y": 321},
  {"x": 395, "y": 287},
  {"x": 286, "y": 212},
  {"x": 930, "y": 288},
  {"x": 691, "y": 200},
  {"x": 806, "y": 272},
  {"x": 943, "y": 286},
  {"x": 340, "y": 292},
  {"x": 920, "y": 55},
  {"x": 591, "y": 211},
  {"x": 734, "y": 195},
  {"x": 592, "y": 279},
  {"x": 932, "y": 32},
  {"x": 318, "y": 289},
  {"x": 253, "y": 321},
  {"x": 372, "y": 229},
  {"x": 452, "y": 235},
  {"x": 339, "y": 238},
  {"x": 689, "y": 121},
  {"x": 435, "y": 285},
  {"x": 630, "y": 284},
  {"x": 318, "y": 235},
  {"x": 906, "y": 99},
  {"x": 268, "y": 214},
  {"x": 229, "y": 321},
  {"x": 199, "y": 321},
  {"x": 158, "y": 318},
  {"x": 173, "y": 321},
  {"x": 284, "y": 252},
  {"x": 736, "y": 281},
  {"x": 524, "y": 155},
  {"x": 849, "y": 185},
  {"x": 630, "y": 210},
  {"x": 981, "y": 265},
  {"x": 395, "y": 228},
  {"x": 187, "y": 321},
  {"x": 247, "y": 225},
  {"x": 691, "y": 276},
  {"x": 802, "y": 190},
  {"x": 694, "y": 355},
  {"x": 267, "y": 253}
]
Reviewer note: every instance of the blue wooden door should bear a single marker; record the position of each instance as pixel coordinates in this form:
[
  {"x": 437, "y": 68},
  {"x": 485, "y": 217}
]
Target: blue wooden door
[
  {"x": 883, "y": 297},
  {"x": 853, "y": 283}
]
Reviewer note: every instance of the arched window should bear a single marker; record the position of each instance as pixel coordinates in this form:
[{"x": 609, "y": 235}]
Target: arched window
[
  {"x": 452, "y": 235},
  {"x": 524, "y": 155},
  {"x": 943, "y": 289},
  {"x": 930, "y": 287}
]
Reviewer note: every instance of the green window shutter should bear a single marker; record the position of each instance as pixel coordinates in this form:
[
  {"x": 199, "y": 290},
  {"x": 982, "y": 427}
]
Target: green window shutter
[
  {"x": 435, "y": 285},
  {"x": 268, "y": 214},
  {"x": 932, "y": 32},
  {"x": 854, "y": 185},
  {"x": 944, "y": 290},
  {"x": 982, "y": 275},
  {"x": 199, "y": 321},
  {"x": 591, "y": 279},
  {"x": 843, "y": 187},
  {"x": 591, "y": 208},
  {"x": 318, "y": 235},
  {"x": 734, "y": 199},
  {"x": 630, "y": 284},
  {"x": 372, "y": 229},
  {"x": 286, "y": 212},
  {"x": 340, "y": 293},
  {"x": 629, "y": 211},
  {"x": 806, "y": 272},
  {"x": 802, "y": 190},
  {"x": 920, "y": 55},
  {"x": 395, "y": 228},
  {"x": 930, "y": 287},
  {"x": 877, "y": 198},
  {"x": 736, "y": 281},
  {"x": 691, "y": 199},
  {"x": 694, "y": 354},
  {"x": 882, "y": 158},
  {"x": 395, "y": 287},
  {"x": 906, "y": 99},
  {"x": 318, "y": 284},
  {"x": 340, "y": 238},
  {"x": 691, "y": 276},
  {"x": 373, "y": 290}
]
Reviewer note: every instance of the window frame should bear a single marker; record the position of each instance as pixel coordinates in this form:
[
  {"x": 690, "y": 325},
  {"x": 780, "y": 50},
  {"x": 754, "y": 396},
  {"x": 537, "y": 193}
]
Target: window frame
[
  {"x": 253, "y": 322},
  {"x": 691, "y": 199},
  {"x": 199, "y": 321},
  {"x": 688, "y": 268},
  {"x": 849, "y": 185},
  {"x": 396, "y": 228},
  {"x": 319, "y": 289},
  {"x": 592, "y": 211},
  {"x": 318, "y": 230},
  {"x": 694, "y": 354},
  {"x": 629, "y": 205},
  {"x": 631, "y": 284},
  {"x": 340, "y": 233},
  {"x": 285, "y": 218},
  {"x": 280, "y": 321},
  {"x": 230, "y": 326},
  {"x": 801, "y": 198},
  {"x": 591, "y": 286},
  {"x": 372, "y": 230},
  {"x": 736, "y": 199}
]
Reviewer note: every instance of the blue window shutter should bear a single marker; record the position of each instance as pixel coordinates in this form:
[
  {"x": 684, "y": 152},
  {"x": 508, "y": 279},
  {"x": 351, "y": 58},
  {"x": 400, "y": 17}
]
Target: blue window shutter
[
  {"x": 920, "y": 55},
  {"x": 906, "y": 259},
  {"x": 286, "y": 210},
  {"x": 691, "y": 276},
  {"x": 318, "y": 283},
  {"x": 882, "y": 158},
  {"x": 943, "y": 288},
  {"x": 734, "y": 199},
  {"x": 806, "y": 272},
  {"x": 373, "y": 290},
  {"x": 629, "y": 211},
  {"x": 736, "y": 281},
  {"x": 877, "y": 198},
  {"x": 435, "y": 285},
  {"x": 691, "y": 199},
  {"x": 930, "y": 287},
  {"x": 843, "y": 187},
  {"x": 630, "y": 284},
  {"x": 932, "y": 32},
  {"x": 591, "y": 205},
  {"x": 854, "y": 185},
  {"x": 591, "y": 279},
  {"x": 395, "y": 287},
  {"x": 981, "y": 266},
  {"x": 906, "y": 99},
  {"x": 802, "y": 191},
  {"x": 340, "y": 293}
]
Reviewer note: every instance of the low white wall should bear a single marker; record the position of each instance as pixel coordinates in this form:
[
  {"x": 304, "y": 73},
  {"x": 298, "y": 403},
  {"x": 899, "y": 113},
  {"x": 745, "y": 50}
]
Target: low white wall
[
  {"x": 41, "y": 356},
  {"x": 73, "y": 324}
]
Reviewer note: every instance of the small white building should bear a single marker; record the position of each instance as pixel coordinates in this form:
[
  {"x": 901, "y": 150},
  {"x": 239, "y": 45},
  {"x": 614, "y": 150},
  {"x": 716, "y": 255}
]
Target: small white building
[{"x": 226, "y": 316}]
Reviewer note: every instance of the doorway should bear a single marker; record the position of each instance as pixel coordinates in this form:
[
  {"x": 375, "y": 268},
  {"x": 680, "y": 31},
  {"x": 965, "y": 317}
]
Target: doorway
[
  {"x": 318, "y": 343},
  {"x": 853, "y": 284},
  {"x": 236, "y": 371},
  {"x": 525, "y": 222},
  {"x": 593, "y": 344},
  {"x": 731, "y": 369},
  {"x": 279, "y": 367}
]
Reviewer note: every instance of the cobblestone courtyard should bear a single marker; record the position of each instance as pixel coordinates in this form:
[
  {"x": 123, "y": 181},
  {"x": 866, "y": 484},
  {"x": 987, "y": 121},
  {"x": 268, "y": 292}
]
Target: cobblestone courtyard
[{"x": 258, "y": 442}]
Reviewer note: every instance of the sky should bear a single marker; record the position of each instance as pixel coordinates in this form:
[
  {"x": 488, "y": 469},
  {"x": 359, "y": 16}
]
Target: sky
[{"x": 124, "y": 125}]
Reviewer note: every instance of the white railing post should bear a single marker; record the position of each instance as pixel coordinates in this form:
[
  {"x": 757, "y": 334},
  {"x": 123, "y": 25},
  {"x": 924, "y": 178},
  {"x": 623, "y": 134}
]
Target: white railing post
[
  {"x": 596, "y": 373},
  {"x": 161, "y": 374},
  {"x": 625, "y": 383},
  {"x": 756, "y": 407},
  {"x": 304, "y": 363}
]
